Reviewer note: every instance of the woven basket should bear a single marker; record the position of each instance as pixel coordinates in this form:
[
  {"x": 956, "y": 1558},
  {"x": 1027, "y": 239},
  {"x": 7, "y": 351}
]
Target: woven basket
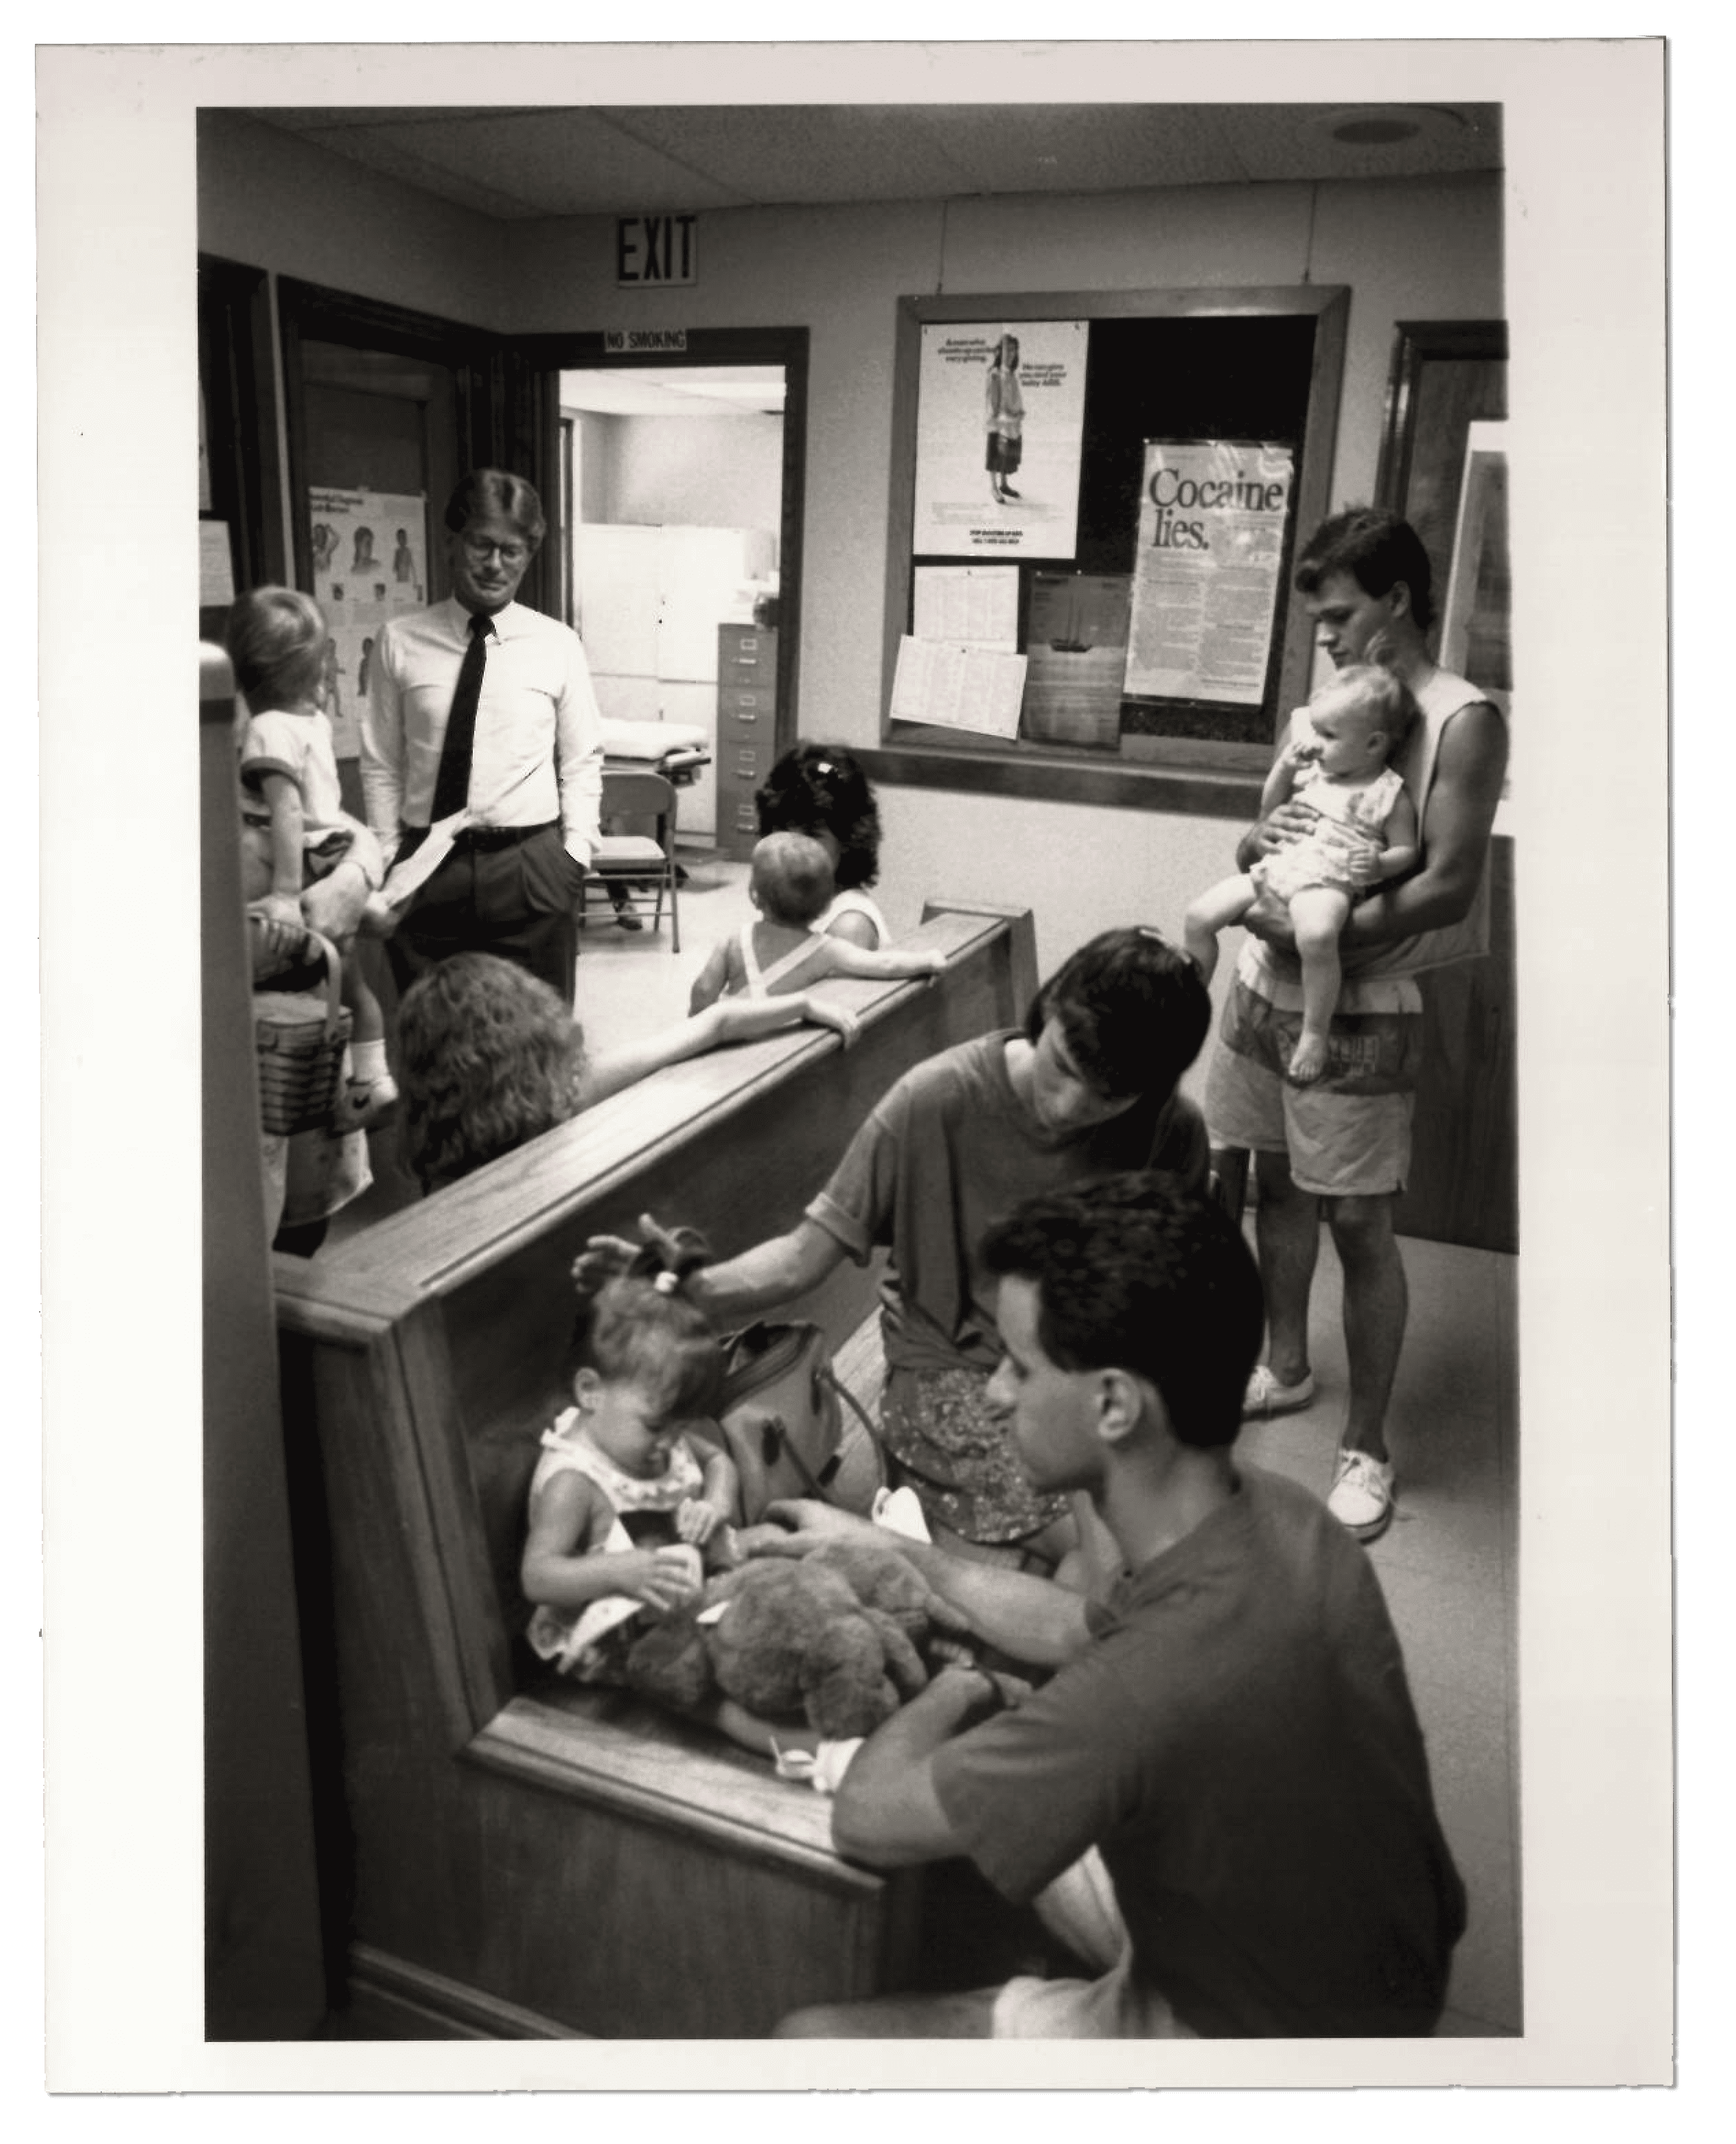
[{"x": 300, "y": 1040}]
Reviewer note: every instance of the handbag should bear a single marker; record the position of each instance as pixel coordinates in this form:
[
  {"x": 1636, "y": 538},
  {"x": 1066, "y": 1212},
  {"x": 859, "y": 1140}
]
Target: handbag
[
  {"x": 791, "y": 1427},
  {"x": 299, "y": 1041}
]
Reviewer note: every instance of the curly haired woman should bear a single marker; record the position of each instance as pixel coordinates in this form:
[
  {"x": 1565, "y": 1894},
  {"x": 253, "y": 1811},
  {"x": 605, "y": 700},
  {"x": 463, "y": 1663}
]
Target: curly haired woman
[{"x": 492, "y": 1057}]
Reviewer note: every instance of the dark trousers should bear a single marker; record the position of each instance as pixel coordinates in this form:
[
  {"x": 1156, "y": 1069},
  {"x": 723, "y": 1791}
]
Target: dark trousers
[{"x": 519, "y": 902}]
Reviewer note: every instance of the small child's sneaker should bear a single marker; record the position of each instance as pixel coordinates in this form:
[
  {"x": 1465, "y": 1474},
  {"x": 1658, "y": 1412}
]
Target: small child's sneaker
[
  {"x": 1361, "y": 1498},
  {"x": 366, "y": 1103}
]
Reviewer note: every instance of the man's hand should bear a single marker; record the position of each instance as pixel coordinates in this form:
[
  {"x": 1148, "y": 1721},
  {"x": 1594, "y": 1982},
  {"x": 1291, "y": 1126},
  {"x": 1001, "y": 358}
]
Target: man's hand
[
  {"x": 804, "y": 1522},
  {"x": 282, "y": 908},
  {"x": 1288, "y": 822}
]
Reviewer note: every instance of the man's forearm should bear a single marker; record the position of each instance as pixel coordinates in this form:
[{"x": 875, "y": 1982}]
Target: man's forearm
[
  {"x": 1429, "y": 901},
  {"x": 1029, "y": 1619}
]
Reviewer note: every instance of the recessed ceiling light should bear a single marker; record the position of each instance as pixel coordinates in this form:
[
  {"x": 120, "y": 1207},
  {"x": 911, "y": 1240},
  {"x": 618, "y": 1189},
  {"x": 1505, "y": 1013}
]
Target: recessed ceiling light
[{"x": 1382, "y": 125}]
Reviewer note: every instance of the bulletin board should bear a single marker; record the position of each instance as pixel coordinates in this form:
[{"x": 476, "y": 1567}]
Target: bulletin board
[{"x": 1105, "y": 609}]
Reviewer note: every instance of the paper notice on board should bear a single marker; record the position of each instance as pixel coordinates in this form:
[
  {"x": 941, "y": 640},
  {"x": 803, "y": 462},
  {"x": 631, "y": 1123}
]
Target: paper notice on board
[
  {"x": 1212, "y": 514},
  {"x": 1000, "y": 416},
  {"x": 977, "y": 605},
  {"x": 370, "y": 564},
  {"x": 963, "y": 689}
]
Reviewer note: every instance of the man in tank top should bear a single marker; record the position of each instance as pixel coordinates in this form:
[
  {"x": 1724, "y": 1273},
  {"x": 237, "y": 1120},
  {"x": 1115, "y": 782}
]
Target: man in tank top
[{"x": 1344, "y": 1142}]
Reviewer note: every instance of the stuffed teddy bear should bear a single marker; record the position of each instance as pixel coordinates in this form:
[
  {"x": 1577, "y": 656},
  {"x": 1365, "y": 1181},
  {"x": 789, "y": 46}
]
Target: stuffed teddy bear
[{"x": 833, "y": 1636}]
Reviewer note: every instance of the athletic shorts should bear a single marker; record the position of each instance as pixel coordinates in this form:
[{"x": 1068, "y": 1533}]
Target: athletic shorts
[{"x": 1348, "y": 1134}]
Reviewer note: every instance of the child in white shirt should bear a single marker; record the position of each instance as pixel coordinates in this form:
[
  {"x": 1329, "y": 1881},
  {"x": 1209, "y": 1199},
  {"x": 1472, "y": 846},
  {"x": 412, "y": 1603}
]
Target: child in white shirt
[
  {"x": 781, "y": 951},
  {"x": 635, "y": 1492},
  {"x": 1337, "y": 763},
  {"x": 294, "y": 827}
]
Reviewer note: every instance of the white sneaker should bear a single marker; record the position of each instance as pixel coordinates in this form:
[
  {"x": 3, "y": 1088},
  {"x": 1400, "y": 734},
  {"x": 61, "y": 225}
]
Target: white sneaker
[
  {"x": 366, "y": 1103},
  {"x": 1361, "y": 1498},
  {"x": 1265, "y": 1395}
]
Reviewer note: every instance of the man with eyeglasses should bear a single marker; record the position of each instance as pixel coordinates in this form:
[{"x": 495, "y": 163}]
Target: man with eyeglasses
[{"x": 483, "y": 705}]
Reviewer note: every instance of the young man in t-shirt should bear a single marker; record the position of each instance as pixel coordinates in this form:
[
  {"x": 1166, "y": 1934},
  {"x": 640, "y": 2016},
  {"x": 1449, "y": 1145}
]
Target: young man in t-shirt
[{"x": 1227, "y": 1746}]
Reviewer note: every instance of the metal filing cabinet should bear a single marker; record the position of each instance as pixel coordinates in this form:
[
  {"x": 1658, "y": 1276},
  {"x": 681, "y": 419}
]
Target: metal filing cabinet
[{"x": 746, "y": 730}]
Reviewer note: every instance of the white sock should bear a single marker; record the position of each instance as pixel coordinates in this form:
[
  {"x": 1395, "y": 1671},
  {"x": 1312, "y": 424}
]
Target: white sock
[{"x": 367, "y": 1060}]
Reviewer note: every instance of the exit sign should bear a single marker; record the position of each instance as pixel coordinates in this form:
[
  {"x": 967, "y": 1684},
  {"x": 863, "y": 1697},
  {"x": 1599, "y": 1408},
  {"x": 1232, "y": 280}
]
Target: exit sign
[{"x": 656, "y": 248}]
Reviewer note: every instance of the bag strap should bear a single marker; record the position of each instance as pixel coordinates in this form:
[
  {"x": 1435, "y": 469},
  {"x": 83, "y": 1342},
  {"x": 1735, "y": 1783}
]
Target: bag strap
[
  {"x": 848, "y": 1397},
  {"x": 333, "y": 982}
]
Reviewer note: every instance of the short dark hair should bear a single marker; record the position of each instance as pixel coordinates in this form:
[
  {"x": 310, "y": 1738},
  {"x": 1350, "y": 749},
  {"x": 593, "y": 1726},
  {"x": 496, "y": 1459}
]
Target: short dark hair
[
  {"x": 1134, "y": 1009},
  {"x": 490, "y": 1057},
  {"x": 1136, "y": 1273},
  {"x": 1377, "y": 549},
  {"x": 276, "y": 639},
  {"x": 821, "y": 789},
  {"x": 487, "y": 491}
]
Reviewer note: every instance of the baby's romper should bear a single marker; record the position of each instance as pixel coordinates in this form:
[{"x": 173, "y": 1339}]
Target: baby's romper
[{"x": 591, "y": 1645}]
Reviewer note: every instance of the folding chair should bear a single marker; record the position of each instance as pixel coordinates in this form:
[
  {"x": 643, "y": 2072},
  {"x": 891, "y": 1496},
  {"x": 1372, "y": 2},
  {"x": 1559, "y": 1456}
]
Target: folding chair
[{"x": 633, "y": 865}]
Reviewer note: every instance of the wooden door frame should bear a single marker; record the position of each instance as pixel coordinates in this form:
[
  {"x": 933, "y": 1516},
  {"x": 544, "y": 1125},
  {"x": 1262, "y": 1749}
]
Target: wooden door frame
[
  {"x": 541, "y": 359},
  {"x": 489, "y": 425}
]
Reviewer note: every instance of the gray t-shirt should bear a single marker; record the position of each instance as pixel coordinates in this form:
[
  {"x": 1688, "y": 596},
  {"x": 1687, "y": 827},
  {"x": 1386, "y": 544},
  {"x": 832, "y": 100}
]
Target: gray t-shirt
[{"x": 949, "y": 1149}]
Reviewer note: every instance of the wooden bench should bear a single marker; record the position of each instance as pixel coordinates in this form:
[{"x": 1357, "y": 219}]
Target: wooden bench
[{"x": 504, "y": 1854}]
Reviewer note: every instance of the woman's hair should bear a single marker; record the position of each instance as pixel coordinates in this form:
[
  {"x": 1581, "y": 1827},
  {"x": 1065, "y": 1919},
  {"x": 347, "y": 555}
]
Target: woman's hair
[
  {"x": 1134, "y": 1009},
  {"x": 639, "y": 1327},
  {"x": 820, "y": 789},
  {"x": 491, "y": 1058},
  {"x": 276, "y": 639},
  {"x": 488, "y": 491},
  {"x": 791, "y": 879},
  {"x": 1378, "y": 550},
  {"x": 1383, "y": 696},
  {"x": 1134, "y": 1274}
]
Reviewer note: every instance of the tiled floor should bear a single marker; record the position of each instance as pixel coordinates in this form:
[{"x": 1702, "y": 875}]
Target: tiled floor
[{"x": 1448, "y": 1563}]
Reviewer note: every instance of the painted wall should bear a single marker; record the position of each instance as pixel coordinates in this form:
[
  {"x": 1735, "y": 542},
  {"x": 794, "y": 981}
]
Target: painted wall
[
  {"x": 701, "y": 472},
  {"x": 1423, "y": 249},
  {"x": 266, "y": 198}
]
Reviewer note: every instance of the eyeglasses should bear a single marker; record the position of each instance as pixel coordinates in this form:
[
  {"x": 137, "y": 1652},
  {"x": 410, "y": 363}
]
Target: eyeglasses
[{"x": 512, "y": 556}]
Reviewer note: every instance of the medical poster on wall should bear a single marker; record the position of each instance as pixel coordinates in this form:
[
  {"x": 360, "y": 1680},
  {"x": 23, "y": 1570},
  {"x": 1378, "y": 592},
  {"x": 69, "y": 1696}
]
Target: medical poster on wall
[
  {"x": 1212, "y": 514},
  {"x": 370, "y": 561},
  {"x": 999, "y": 421}
]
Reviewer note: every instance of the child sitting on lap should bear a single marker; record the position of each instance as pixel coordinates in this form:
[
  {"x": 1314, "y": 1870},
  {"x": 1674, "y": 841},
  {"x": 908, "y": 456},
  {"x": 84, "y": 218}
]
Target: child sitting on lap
[
  {"x": 1337, "y": 763},
  {"x": 791, "y": 886},
  {"x": 294, "y": 829},
  {"x": 634, "y": 1493}
]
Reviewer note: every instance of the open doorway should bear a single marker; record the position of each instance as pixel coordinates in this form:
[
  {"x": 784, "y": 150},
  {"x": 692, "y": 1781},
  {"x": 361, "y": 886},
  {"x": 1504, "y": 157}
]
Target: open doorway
[{"x": 674, "y": 491}]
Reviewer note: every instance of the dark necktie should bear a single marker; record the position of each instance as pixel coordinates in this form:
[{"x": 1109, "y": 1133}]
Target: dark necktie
[{"x": 452, "y": 784}]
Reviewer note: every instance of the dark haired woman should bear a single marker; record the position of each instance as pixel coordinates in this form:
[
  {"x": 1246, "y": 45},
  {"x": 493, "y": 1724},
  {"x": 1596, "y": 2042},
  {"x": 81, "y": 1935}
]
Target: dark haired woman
[{"x": 819, "y": 789}]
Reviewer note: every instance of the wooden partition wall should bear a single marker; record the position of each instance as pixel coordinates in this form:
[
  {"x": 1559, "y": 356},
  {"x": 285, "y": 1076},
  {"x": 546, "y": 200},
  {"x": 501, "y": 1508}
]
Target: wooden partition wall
[{"x": 507, "y": 1856}]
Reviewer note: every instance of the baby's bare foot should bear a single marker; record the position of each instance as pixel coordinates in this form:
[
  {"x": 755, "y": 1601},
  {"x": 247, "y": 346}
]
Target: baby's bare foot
[{"x": 1308, "y": 1060}]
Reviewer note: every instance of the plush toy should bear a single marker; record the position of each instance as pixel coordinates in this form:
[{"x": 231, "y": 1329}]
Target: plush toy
[{"x": 835, "y": 1636}]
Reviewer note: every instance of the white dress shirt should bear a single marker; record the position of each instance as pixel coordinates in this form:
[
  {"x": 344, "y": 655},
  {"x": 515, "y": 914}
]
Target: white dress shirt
[{"x": 538, "y": 750}]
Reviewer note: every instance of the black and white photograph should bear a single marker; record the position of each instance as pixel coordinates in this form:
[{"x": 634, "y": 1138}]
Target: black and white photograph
[{"x": 851, "y": 1355}]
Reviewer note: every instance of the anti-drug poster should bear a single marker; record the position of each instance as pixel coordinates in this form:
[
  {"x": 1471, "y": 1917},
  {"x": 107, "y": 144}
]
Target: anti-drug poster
[
  {"x": 999, "y": 418},
  {"x": 1211, "y": 519},
  {"x": 370, "y": 561}
]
